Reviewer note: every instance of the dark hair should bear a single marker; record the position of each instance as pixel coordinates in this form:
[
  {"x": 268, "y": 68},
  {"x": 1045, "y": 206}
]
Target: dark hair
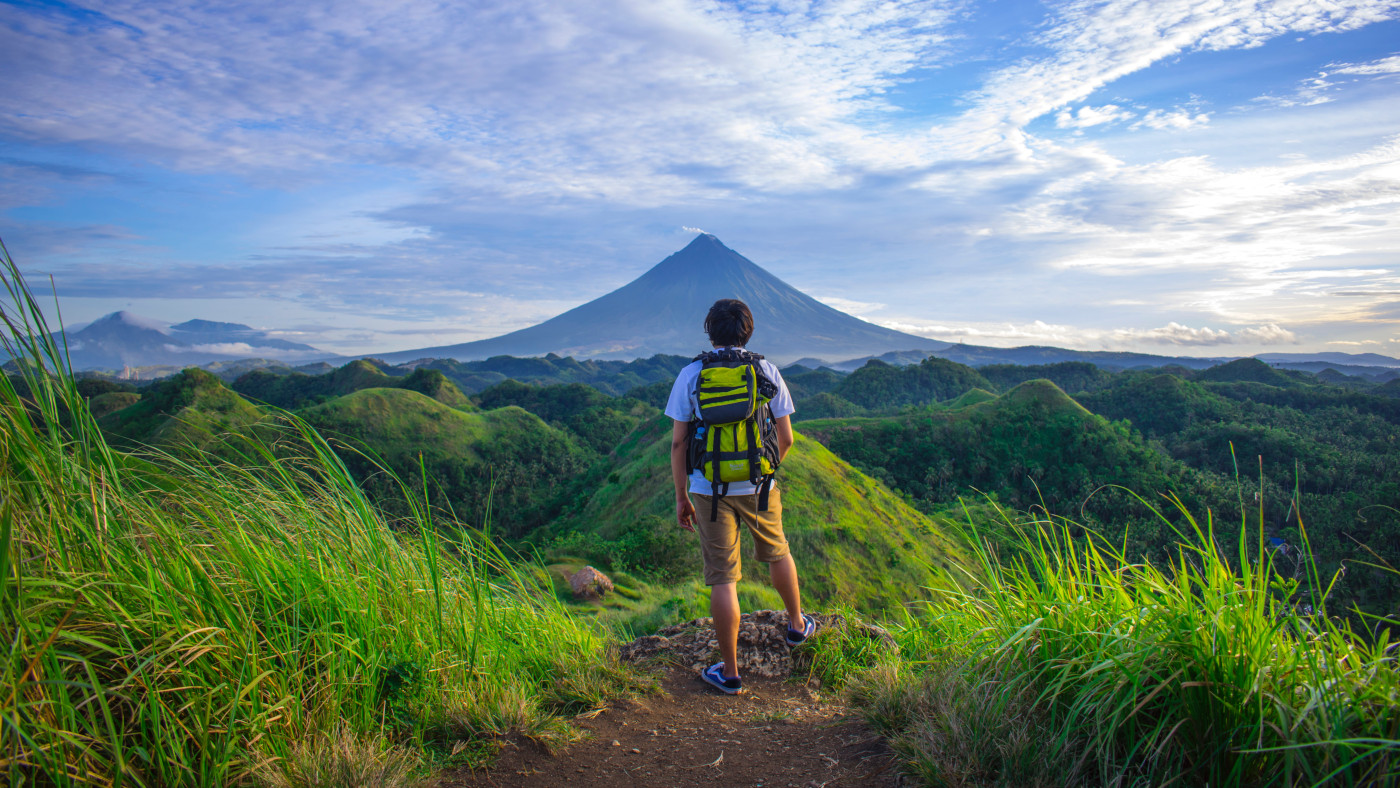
[{"x": 729, "y": 323}]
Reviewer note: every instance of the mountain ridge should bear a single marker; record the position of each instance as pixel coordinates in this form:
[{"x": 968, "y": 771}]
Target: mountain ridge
[{"x": 662, "y": 311}]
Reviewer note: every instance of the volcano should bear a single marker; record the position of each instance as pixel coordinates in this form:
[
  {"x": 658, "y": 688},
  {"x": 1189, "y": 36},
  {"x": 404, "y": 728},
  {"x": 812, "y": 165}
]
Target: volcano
[{"x": 663, "y": 311}]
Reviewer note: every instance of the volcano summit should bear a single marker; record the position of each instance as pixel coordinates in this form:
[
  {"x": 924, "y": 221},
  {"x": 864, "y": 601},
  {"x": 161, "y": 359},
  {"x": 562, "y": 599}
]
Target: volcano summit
[{"x": 662, "y": 311}]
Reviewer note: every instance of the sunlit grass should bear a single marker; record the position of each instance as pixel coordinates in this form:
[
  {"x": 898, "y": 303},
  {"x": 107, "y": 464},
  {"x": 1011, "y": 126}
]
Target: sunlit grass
[
  {"x": 1070, "y": 664},
  {"x": 180, "y": 620}
]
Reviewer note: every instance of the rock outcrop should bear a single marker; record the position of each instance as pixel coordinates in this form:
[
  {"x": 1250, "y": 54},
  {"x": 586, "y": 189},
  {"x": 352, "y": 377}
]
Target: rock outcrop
[{"x": 590, "y": 584}]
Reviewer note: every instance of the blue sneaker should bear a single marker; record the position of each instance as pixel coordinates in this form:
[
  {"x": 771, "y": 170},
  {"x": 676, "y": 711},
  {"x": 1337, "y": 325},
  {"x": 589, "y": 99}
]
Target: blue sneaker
[
  {"x": 714, "y": 676},
  {"x": 809, "y": 628}
]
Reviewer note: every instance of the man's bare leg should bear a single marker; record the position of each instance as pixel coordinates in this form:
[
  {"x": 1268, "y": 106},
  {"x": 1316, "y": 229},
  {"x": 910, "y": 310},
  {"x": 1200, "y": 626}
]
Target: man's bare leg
[
  {"x": 783, "y": 573},
  {"x": 724, "y": 609}
]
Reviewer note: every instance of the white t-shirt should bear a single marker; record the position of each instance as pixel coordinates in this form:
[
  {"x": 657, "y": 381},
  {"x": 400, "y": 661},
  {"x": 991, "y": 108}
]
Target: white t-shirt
[{"x": 683, "y": 406}]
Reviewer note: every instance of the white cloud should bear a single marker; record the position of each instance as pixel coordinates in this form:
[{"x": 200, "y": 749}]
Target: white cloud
[
  {"x": 1041, "y": 333},
  {"x": 760, "y": 117},
  {"x": 1266, "y": 335},
  {"x": 849, "y": 306},
  {"x": 1175, "y": 334},
  {"x": 1085, "y": 117},
  {"x": 1246, "y": 244},
  {"x": 243, "y": 349},
  {"x": 1320, "y": 89},
  {"x": 1178, "y": 119},
  {"x": 1094, "y": 43},
  {"x": 625, "y": 99},
  {"x": 1388, "y": 65}
]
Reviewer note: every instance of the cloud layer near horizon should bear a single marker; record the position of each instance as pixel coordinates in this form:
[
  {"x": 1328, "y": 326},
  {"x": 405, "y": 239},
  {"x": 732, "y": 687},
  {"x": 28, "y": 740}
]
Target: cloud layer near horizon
[{"x": 1126, "y": 174}]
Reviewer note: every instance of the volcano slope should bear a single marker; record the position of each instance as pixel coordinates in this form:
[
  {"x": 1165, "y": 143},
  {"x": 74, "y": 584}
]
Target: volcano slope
[{"x": 856, "y": 543}]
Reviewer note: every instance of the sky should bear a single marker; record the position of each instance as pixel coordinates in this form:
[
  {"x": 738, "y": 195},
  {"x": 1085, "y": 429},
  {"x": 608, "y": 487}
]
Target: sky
[{"x": 1181, "y": 177}]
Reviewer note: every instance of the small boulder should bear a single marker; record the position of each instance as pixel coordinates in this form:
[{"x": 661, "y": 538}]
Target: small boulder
[{"x": 590, "y": 584}]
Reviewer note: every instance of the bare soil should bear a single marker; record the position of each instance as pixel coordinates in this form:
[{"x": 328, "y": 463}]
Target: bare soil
[{"x": 776, "y": 734}]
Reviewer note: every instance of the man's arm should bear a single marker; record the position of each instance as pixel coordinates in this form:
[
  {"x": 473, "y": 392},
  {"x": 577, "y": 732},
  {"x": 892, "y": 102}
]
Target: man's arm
[
  {"x": 784, "y": 425},
  {"x": 680, "y": 445}
]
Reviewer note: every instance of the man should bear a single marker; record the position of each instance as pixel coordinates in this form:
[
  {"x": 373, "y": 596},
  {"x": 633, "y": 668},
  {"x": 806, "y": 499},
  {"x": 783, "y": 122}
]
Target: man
[{"x": 730, "y": 325}]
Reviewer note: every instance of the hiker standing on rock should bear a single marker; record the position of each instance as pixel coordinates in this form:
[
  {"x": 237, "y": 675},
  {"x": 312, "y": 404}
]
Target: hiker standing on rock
[{"x": 732, "y": 428}]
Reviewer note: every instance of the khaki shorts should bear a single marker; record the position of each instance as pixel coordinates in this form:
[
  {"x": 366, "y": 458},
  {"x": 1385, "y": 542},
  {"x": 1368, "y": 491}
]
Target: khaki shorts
[{"x": 719, "y": 540}]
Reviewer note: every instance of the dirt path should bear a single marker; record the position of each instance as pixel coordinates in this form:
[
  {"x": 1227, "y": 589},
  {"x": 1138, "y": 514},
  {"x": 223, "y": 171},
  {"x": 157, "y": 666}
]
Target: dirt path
[{"x": 774, "y": 735}]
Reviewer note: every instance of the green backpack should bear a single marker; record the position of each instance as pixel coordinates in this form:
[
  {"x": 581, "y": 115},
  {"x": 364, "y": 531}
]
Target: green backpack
[{"x": 734, "y": 439}]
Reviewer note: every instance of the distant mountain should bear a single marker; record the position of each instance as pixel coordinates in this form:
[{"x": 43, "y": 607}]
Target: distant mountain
[
  {"x": 1371, "y": 366},
  {"x": 1348, "y": 359},
  {"x": 123, "y": 339},
  {"x": 663, "y": 310}
]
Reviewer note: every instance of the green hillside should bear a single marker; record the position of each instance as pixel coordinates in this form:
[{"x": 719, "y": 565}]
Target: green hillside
[
  {"x": 858, "y": 543},
  {"x": 1070, "y": 376},
  {"x": 505, "y": 461},
  {"x": 596, "y": 419},
  {"x": 191, "y": 408},
  {"x": 878, "y": 385},
  {"x": 805, "y": 383},
  {"x": 1033, "y": 446},
  {"x": 111, "y": 402},
  {"x": 297, "y": 390},
  {"x": 1251, "y": 370},
  {"x": 610, "y": 377},
  {"x": 969, "y": 398}
]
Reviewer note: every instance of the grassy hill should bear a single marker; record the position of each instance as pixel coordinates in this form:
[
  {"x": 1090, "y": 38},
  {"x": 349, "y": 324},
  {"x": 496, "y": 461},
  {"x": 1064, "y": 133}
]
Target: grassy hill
[
  {"x": 505, "y": 466},
  {"x": 968, "y": 398},
  {"x": 111, "y": 402},
  {"x": 858, "y": 543},
  {"x": 297, "y": 390},
  {"x": 597, "y": 420},
  {"x": 878, "y": 385},
  {"x": 190, "y": 409},
  {"x": 610, "y": 377},
  {"x": 1032, "y": 446},
  {"x": 1252, "y": 370}
]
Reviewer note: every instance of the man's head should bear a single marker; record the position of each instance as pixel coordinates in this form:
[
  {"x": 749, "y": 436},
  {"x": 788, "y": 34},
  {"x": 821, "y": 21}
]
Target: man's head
[{"x": 729, "y": 323}]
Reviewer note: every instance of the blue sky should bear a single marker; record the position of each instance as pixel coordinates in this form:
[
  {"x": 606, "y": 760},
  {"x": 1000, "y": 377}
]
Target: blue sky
[{"x": 1195, "y": 177}]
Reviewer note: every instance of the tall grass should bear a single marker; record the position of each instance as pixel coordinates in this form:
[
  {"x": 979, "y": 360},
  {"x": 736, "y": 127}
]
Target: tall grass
[
  {"x": 185, "y": 621},
  {"x": 1070, "y": 664}
]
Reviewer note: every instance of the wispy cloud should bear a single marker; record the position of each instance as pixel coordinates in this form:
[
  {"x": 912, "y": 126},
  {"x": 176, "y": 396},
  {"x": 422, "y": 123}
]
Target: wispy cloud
[
  {"x": 1041, "y": 333},
  {"x": 1179, "y": 119},
  {"x": 1321, "y": 88},
  {"x": 1084, "y": 117},
  {"x": 543, "y": 98},
  {"x": 541, "y": 153}
]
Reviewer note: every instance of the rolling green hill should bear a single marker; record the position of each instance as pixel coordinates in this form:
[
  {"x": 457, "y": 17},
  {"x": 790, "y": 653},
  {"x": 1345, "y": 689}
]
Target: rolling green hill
[
  {"x": 597, "y": 420},
  {"x": 858, "y": 543},
  {"x": 190, "y": 409},
  {"x": 1251, "y": 370},
  {"x": 610, "y": 377},
  {"x": 878, "y": 385},
  {"x": 111, "y": 402},
  {"x": 505, "y": 463},
  {"x": 969, "y": 398},
  {"x": 1033, "y": 446},
  {"x": 297, "y": 390},
  {"x": 1070, "y": 376}
]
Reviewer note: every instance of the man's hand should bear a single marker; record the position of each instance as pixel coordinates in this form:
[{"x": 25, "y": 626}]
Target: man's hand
[{"x": 685, "y": 513}]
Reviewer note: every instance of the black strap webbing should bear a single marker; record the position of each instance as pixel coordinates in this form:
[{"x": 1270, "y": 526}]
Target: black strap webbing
[
  {"x": 763, "y": 492},
  {"x": 720, "y": 489}
]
